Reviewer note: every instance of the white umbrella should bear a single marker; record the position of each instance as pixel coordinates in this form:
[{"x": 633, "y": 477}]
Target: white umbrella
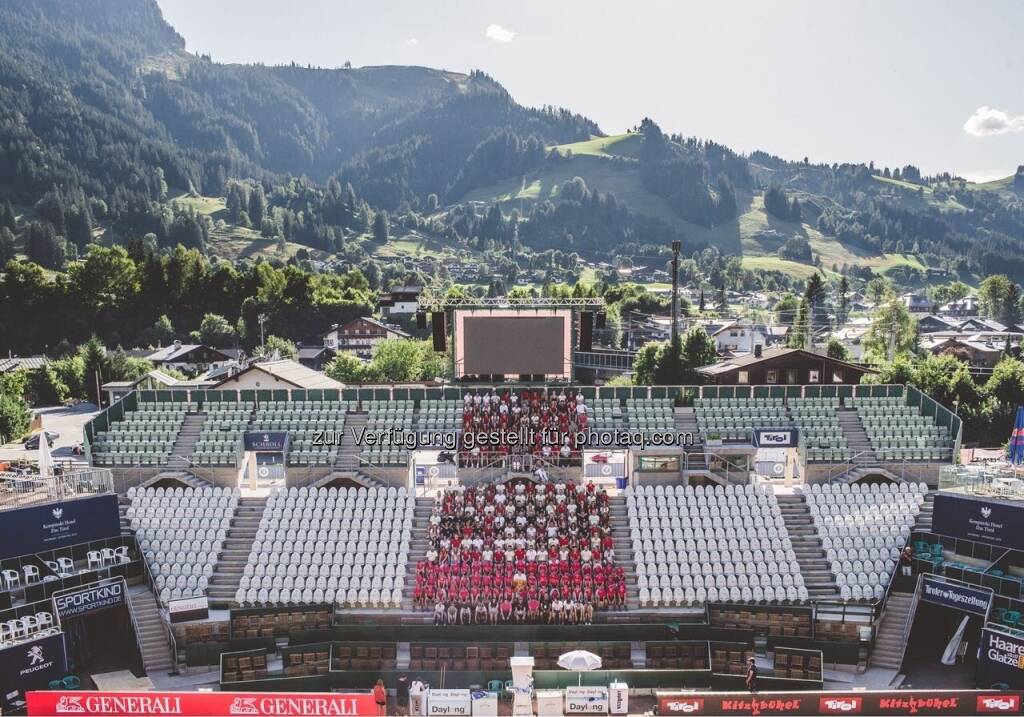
[
  {"x": 45, "y": 460},
  {"x": 580, "y": 661}
]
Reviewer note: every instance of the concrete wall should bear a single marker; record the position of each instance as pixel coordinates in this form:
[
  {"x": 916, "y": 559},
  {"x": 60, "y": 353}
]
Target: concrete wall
[{"x": 912, "y": 472}]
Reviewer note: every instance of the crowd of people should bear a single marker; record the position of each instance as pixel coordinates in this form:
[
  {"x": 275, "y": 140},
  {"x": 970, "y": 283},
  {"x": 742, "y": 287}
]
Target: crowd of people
[
  {"x": 523, "y": 553},
  {"x": 545, "y": 424}
]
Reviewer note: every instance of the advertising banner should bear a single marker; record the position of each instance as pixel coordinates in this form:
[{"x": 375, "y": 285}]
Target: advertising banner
[
  {"x": 269, "y": 441},
  {"x": 196, "y": 607},
  {"x": 1001, "y": 659},
  {"x": 985, "y": 521},
  {"x": 214, "y": 704},
  {"x": 776, "y": 437},
  {"x": 586, "y": 700},
  {"x": 904, "y": 702},
  {"x": 449, "y": 702},
  {"x": 90, "y": 598},
  {"x": 50, "y": 526},
  {"x": 960, "y": 597},
  {"x": 30, "y": 666}
]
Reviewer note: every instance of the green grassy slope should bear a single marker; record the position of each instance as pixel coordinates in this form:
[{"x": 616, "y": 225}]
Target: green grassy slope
[{"x": 754, "y": 234}]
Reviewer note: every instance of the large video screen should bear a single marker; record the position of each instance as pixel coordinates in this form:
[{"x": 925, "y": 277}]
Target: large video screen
[{"x": 510, "y": 342}]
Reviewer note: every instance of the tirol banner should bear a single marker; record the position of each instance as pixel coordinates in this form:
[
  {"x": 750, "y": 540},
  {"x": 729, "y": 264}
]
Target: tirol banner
[
  {"x": 776, "y": 437},
  {"x": 985, "y": 521},
  {"x": 1001, "y": 659},
  {"x": 29, "y": 666},
  {"x": 49, "y": 526},
  {"x": 214, "y": 704},
  {"x": 974, "y": 600},
  {"x": 90, "y": 598},
  {"x": 268, "y": 441}
]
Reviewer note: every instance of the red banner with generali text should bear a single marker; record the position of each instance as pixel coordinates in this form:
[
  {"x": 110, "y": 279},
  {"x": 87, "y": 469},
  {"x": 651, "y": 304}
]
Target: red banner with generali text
[{"x": 196, "y": 704}]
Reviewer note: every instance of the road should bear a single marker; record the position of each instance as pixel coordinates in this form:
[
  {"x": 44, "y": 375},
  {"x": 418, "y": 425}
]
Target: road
[{"x": 67, "y": 421}]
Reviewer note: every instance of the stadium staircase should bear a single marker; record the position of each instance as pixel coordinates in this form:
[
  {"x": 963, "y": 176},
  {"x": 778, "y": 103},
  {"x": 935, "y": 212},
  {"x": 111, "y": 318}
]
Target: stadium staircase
[
  {"x": 856, "y": 437},
  {"x": 810, "y": 554},
  {"x": 235, "y": 552},
  {"x": 924, "y": 518},
  {"x": 417, "y": 553},
  {"x": 156, "y": 651},
  {"x": 686, "y": 422},
  {"x": 185, "y": 445},
  {"x": 346, "y": 462},
  {"x": 890, "y": 639},
  {"x": 347, "y": 458},
  {"x": 624, "y": 549},
  {"x": 122, "y": 511}
]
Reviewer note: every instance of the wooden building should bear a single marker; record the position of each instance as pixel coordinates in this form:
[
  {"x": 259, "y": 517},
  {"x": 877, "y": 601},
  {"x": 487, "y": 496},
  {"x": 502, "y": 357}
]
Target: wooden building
[{"x": 782, "y": 366}]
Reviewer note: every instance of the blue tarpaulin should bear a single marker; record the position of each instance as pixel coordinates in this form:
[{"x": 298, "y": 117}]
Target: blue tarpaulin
[{"x": 1015, "y": 452}]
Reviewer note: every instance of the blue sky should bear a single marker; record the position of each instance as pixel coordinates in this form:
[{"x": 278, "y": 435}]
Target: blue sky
[{"x": 939, "y": 84}]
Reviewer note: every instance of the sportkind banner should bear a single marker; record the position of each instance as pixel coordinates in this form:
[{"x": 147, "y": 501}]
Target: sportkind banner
[
  {"x": 960, "y": 597},
  {"x": 50, "y": 526},
  {"x": 1001, "y": 659},
  {"x": 985, "y": 521},
  {"x": 89, "y": 599},
  {"x": 214, "y": 704}
]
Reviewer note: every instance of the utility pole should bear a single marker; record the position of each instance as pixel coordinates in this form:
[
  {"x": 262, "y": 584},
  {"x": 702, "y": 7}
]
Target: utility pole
[
  {"x": 675, "y": 289},
  {"x": 262, "y": 318}
]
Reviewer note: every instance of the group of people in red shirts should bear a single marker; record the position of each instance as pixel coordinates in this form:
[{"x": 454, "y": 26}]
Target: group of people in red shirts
[
  {"x": 545, "y": 423},
  {"x": 520, "y": 553}
]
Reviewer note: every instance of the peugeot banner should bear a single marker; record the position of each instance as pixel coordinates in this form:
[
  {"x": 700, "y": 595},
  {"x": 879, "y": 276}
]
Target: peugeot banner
[
  {"x": 985, "y": 521},
  {"x": 31, "y": 665},
  {"x": 974, "y": 600},
  {"x": 90, "y": 598},
  {"x": 50, "y": 526},
  {"x": 1001, "y": 659}
]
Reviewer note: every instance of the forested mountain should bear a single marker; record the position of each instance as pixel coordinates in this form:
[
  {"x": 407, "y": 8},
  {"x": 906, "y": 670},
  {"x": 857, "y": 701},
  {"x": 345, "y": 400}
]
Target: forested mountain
[{"x": 105, "y": 119}]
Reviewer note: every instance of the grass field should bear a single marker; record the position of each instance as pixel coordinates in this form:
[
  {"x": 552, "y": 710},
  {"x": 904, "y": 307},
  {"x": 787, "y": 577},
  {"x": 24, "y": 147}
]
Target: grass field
[
  {"x": 928, "y": 198},
  {"x": 619, "y": 145}
]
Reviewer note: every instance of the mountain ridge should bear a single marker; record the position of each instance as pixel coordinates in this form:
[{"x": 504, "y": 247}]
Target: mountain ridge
[{"x": 100, "y": 100}]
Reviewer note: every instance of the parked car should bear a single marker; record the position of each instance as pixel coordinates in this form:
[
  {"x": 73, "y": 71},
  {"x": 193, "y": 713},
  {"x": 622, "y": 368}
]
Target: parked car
[{"x": 32, "y": 442}]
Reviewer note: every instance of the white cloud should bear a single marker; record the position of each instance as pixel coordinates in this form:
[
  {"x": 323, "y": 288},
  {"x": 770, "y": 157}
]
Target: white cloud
[
  {"x": 498, "y": 33},
  {"x": 987, "y": 121},
  {"x": 412, "y": 42}
]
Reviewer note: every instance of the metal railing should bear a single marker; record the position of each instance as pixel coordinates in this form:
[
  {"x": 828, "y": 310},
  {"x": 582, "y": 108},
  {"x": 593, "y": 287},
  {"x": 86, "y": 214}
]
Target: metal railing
[
  {"x": 18, "y": 490},
  {"x": 990, "y": 482},
  {"x": 168, "y": 629}
]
